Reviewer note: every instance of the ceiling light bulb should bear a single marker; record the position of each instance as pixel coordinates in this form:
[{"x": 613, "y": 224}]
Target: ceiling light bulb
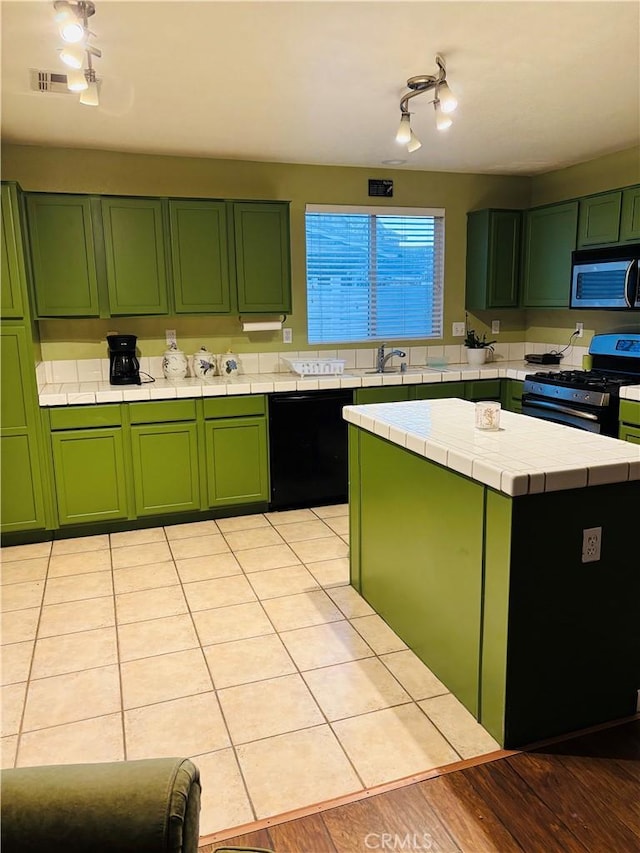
[
  {"x": 76, "y": 81},
  {"x": 72, "y": 31},
  {"x": 447, "y": 99},
  {"x": 89, "y": 97},
  {"x": 403, "y": 136},
  {"x": 443, "y": 122},
  {"x": 414, "y": 143},
  {"x": 72, "y": 56}
]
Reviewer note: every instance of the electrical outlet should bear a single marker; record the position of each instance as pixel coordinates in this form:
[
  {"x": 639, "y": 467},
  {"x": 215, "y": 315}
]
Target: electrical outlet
[
  {"x": 495, "y": 327},
  {"x": 591, "y": 544},
  {"x": 170, "y": 337},
  {"x": 579, "y": 329},
  {"x": 457, "y": 330},
  {"x": 287, "y": 336}
]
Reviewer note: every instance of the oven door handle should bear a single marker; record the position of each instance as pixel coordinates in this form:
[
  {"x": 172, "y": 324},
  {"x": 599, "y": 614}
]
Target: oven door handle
[{"x": 555, "y": 407}]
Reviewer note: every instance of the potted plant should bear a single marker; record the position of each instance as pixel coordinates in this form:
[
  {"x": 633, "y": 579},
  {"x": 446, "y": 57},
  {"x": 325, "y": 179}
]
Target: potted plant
[{"x": 477, "y": 347}]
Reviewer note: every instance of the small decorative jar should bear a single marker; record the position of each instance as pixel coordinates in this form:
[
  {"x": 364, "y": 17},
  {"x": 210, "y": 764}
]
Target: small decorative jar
[
  {"x": 174, "y": 363},
  {"x": 228, "y": 365},
  {"x": 203, "y": 364}
]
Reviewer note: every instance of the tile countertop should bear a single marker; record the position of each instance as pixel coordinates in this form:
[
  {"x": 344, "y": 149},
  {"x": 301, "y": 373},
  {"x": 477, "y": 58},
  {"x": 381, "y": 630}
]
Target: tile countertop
[
  {"x": 86, "y": 393},
  {"x": 525, "y": 456}
]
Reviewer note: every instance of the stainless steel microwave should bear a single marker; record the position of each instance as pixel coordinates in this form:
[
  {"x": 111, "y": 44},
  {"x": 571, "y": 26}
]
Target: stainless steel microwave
[{"x": 606, "y": 278}]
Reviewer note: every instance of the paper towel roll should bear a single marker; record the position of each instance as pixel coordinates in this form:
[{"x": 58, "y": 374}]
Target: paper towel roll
[{"x": 265, "y": 326}]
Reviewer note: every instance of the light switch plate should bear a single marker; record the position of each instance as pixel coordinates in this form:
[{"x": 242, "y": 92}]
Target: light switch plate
[
  {"x": 457, "y": 330},
  {"x": 495, "y": 327},
  {"x": 287, "y": 336}
]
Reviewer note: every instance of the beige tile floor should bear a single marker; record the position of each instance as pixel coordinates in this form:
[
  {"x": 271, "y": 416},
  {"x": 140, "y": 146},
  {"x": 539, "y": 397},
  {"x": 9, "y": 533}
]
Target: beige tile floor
[{"x": 237, "y": 643}]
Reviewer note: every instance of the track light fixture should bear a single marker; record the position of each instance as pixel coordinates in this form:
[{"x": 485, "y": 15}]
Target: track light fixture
[
  {"x": 444, "y": 103},
  {"x": 72, "y": 19}
]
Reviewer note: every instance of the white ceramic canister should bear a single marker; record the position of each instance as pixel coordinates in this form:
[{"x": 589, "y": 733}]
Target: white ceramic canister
[
  {"x": 228, "y": 364},
  {"x": 203, "y": 364},
  {"x": 174, "y": 363}
]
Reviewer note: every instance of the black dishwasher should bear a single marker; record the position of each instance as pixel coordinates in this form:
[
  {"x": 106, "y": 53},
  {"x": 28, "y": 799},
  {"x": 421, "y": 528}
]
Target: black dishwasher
[{"x": 308, "y": 448}]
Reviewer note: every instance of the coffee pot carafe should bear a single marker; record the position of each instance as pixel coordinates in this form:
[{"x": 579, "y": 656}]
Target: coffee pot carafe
[{"x": 124, "y": 367}]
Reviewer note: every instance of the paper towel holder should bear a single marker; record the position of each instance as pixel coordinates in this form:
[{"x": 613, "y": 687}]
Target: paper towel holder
[{"x": 263, "y": 325}]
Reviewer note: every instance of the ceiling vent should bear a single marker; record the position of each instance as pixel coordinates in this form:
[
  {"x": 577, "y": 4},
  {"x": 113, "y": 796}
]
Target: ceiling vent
[{"x": 49, "y": 81}]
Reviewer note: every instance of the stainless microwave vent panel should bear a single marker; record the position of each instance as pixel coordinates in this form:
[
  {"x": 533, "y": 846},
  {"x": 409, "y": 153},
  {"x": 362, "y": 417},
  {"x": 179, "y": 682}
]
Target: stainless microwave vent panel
[{"x": 48, "y": 81}]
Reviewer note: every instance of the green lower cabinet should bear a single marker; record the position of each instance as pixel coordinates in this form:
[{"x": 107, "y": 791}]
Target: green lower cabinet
[
  {"x": 165, "y": 468},
  {"x": 22, "y": 498},
  {"x": 438, "y": 391},
  {"x": 390, "y": 394},
  {"x": 21, "y": 491},
  {"x": 237, "y": 461},
  {"x": 511, "y": 395},
  {"x": 89, "y": 475},
  {"x": 482, "y": 389},
  {"x": 629, "y": 433},
  {"x": 629, "y": 421}
]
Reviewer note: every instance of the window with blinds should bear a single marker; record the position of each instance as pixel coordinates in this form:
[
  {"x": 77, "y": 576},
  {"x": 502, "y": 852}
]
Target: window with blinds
[{"x": 374, "y": 273}]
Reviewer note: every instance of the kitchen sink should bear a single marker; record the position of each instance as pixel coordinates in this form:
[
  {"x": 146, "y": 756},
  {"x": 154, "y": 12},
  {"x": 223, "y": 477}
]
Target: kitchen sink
[{"x": 408, "y": 370}]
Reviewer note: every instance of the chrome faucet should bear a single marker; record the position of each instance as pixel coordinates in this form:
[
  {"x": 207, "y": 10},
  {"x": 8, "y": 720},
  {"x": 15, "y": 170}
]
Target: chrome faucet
[{"x": 382, "y": 359}]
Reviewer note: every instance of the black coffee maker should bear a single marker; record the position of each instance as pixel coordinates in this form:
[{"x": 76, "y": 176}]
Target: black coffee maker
[{"x": 124, "y": 367}]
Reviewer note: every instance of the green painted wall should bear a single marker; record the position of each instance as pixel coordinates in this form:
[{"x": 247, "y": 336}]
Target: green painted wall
[{"x": 111, "y": 172}]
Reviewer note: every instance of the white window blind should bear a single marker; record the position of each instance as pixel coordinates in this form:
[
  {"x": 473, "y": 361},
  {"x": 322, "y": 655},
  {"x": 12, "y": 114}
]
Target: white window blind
[{"x": 374, "y": 273}]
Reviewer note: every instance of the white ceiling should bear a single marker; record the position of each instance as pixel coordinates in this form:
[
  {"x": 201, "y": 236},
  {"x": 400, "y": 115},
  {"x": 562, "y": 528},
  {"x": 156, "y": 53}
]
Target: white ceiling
[{"x": 540, "y": 85}]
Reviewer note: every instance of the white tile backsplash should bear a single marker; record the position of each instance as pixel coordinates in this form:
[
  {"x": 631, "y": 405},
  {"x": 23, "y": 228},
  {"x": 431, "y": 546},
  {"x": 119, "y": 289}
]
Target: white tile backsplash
[{"x": 365, "y": 358}]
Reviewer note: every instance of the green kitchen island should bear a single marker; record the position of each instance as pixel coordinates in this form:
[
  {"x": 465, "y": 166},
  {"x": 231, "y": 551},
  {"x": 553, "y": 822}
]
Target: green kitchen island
[{"x": 471, "y": 545}]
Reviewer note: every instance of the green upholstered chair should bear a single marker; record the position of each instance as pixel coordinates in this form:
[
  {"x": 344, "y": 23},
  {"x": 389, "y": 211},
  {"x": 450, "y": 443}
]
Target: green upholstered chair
[{"x": 143, "y": 806}]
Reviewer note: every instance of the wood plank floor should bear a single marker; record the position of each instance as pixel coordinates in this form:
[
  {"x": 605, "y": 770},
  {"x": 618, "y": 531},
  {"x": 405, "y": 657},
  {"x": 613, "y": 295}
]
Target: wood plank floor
[{"x": 580, "y": 795}]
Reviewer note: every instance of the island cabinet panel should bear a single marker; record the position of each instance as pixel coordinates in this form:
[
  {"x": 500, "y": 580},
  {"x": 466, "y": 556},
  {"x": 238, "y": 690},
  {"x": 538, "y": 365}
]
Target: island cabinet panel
[
  {"x": 572, "y": 643},
  {"x": 12, "y": 271},
  {"x": 630, "y": 215},
  {"x": 22, "y": 497},
  {"x": 135, "y": 255},
  {"x": 199, "y": 257},
  {"x": 165, "y": 468},
  {"x": 599, "y": 220},
  {"x": 63, "y": 255},
  {"x": 549, "y": 239},
  {"x": 263, "y": 274},
  {"x": 89, "y": 475},
  {"x": 237, "y": 461},
  {"x": 421, "y": 567}
]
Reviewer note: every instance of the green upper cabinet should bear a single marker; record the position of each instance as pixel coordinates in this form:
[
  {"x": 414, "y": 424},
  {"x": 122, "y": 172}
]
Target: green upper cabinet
[
  {"x": 21, "y": 500},
  {"x": 493, "y": 252},
  {"x": 63, "y": 255},
  {"x": 263, "y": 274},
  {"x": 630, "y": 215},
  {"x": 135, "y": 255},
  {"x": 549, "y": 239},
  {"x": 12, "y": 272},
  {"x": 599, "y": 219},
  {"x": 199, "y": 257}
]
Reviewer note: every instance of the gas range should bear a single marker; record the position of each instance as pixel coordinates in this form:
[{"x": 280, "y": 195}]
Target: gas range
[{"x": 587, "y": 399}]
